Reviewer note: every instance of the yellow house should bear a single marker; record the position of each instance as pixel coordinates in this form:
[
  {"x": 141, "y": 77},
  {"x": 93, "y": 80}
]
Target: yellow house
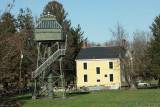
[{"x": 100, "y": 67}]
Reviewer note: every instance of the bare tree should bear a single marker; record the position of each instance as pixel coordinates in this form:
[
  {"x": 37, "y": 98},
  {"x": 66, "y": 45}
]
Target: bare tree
[
  {"x": 9, "y": 6},
  {"x": 139, "y": 47},
  {"x": 119, "y": 35}
]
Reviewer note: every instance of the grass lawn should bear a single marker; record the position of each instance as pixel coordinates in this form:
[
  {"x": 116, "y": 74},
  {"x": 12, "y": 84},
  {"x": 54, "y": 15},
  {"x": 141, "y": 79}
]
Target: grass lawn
[{"x": 114, "y": 98}]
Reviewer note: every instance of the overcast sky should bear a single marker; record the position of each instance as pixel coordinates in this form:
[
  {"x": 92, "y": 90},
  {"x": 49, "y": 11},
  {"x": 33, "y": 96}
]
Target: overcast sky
[{"x": 97, "y": 17}]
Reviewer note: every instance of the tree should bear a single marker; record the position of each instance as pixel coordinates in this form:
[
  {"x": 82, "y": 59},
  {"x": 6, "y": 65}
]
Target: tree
[
  {"x": 25, "y": 20},
  {"x": 7, "y": 23},
  {"x": 8, "y": 47},
  {"x": 154, "y": 48},
  {"x": 9, "y": 58},
  {"x": 139, "y": 48},
  {"x": 25, "y": 24},
  {"x": 11, "y": 45}
]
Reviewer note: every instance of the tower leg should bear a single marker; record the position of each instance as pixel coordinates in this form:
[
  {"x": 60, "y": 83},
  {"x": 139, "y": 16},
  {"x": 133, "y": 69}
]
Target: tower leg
[
  {"x": 35, "y": 90},
  {"x": 35, "y": 81},
  {"x": 62, "y": 78},
  {"x": 50, "y": 78},
  {"x": 50, "y": 86}
]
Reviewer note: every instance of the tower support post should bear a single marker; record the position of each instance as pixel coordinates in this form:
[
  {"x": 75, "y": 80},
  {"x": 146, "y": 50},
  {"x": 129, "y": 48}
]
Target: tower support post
[
  {"x": 50, "y": 77},
  {"x": 35, "y": 81},
  {"x": 50, "y": 85},
  {"x": 62, "y": 78}
]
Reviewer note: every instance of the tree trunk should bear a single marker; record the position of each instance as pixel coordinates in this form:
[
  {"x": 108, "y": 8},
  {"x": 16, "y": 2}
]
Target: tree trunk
[
  {"x": 132, "y": 86},
  {"x": 132, "y": 83},
  {"x": 159, "y": 82}
]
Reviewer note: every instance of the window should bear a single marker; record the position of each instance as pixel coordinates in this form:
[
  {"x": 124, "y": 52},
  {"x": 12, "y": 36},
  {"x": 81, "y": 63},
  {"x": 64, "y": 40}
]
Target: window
[
  {"x": 98, "y": 80},
  {"x": 111, "y": 65},
  {"x": 85, "y": 78},
  {"x": 98, "y": 70},
  {"x": 111, "y": 77},
  {"x": 85, "y": 65}
]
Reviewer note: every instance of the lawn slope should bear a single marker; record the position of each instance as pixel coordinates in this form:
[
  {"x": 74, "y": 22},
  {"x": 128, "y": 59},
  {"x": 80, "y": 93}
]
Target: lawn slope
[{"x": 116, "y": 98}]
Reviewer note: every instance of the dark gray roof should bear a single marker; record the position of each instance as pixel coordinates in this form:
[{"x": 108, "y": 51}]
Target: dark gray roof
[
  {"x": 48, "y": 24},
  {"x": 100, "y": 53}
]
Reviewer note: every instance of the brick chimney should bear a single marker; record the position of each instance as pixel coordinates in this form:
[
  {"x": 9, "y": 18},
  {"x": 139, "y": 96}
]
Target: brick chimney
[
  {"x": 85, "y": 45},
  {"x": 123, "y": 43}
]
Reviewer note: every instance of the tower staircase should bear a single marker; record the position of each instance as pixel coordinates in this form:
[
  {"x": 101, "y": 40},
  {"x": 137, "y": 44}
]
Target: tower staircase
[
  {"x": 41, "y": 73},
  {"x": 42, "y": 68}
]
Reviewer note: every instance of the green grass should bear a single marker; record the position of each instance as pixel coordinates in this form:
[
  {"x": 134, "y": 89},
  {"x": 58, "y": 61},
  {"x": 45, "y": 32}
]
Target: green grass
[{"x": 114, "y": 98}]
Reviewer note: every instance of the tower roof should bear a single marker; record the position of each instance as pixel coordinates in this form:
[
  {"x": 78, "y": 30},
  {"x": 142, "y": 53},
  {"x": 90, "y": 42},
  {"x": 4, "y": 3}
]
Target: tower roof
[
  {"x": 48, "y": 22},
  {"x": 48, "y": 29}
]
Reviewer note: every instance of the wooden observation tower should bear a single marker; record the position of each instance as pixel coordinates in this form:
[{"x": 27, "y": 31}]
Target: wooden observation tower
[{"x": 51, "y": 46}]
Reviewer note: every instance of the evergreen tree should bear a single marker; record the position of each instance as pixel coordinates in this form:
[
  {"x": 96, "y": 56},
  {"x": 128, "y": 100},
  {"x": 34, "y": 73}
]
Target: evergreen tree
[
  {"x": 7, "y": 23},
  {"x": 25, "y": 20},
  {"x": 154, "y": 48},
  {"x": 25, "y": 24}
]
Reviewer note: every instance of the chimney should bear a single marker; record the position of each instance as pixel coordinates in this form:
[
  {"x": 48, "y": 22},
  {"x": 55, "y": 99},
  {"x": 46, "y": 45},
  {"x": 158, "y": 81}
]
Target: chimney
[
  {"x": 84, "y": 44},
  {"x": 124, "y": 43}
]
